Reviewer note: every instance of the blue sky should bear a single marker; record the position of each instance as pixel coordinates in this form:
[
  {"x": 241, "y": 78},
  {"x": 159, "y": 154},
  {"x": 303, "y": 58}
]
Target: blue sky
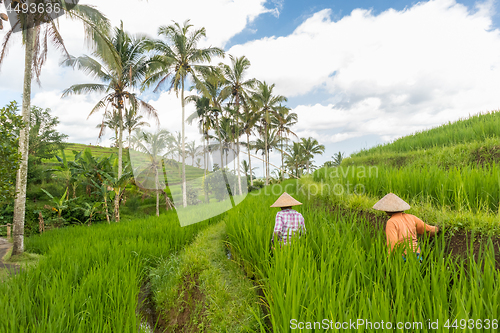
[{"x": 358, "y": 73}]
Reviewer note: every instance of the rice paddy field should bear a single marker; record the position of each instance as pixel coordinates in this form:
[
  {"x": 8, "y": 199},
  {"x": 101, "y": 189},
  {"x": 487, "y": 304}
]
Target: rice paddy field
[
  {"x": 340, "y": 273},
  {"x": 89, "y": 278},
  {"x": 222, "y": 275},
  {"x": 468, "y": 187},
  {"x": 479, "y": 127}
]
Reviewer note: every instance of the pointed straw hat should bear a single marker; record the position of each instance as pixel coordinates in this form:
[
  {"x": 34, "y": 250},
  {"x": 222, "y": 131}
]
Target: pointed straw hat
[
  {"x": 286, "y": 200},
  {"x": 391, "y": 203}
]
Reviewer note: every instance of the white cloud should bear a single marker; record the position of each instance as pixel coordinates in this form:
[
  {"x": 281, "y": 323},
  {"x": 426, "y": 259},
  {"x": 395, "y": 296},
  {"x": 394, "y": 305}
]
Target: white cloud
[
  {"x": 389, "y": 74},
  {"x": 392, "y": 73}
]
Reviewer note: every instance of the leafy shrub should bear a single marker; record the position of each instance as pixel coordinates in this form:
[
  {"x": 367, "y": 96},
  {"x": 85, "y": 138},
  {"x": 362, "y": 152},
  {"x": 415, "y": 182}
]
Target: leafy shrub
[{"x": 192, "y": 195}]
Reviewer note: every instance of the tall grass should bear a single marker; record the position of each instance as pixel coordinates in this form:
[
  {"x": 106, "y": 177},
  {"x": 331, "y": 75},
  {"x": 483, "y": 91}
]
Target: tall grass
[
  {"x": 476, "y": 128},
  {"x": 341, "y": 272},
  {"x": 465, "y": 188},
  {"x": 476, "y": 153},
  {"x": 89, "y": 277}
]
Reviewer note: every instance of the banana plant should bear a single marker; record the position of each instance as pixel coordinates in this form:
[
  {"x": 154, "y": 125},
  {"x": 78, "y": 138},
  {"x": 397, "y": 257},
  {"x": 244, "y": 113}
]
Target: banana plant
[
  {"x": 90, "y": 210},
  {"x": 118, "y": 184},
  {"x": 103, "y": 190},
  {"x": 59, "y": 204}
]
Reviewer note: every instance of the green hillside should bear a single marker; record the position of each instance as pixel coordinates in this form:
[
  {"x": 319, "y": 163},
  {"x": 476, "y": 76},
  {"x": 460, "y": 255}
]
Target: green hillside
[
  {"x": 173, "y": 169},
  {"x": 449, "y": 174},
  {"x": 478, "y": 127}
]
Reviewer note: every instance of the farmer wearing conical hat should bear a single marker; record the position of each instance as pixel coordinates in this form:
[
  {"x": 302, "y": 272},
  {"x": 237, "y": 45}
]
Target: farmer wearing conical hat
[
  {"x": 288, "y": 221},
  {"x": 402, "y": 227}
]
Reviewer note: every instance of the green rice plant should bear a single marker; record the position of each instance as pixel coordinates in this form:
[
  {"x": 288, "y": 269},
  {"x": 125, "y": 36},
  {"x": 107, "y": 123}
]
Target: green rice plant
[
  {"x": 340, "y": 272},
  {"x": 478, "y": 127},
  {"x": 466, "y": 188},
  {"x": 88, "y": 279}
]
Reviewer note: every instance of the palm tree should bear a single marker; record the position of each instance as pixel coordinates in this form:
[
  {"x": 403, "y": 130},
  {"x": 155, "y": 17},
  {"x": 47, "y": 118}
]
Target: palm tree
[
  {"x": 245, "y": 168},
  {"x": 110, "y": 120},
  {"x": 205, "y": 122},
  {"x": 192, "y": 151},
  {"x": 337, "y": 158},
  {"x": 283, "y": 120},
  {"x": 37, "y": 31},
  {"x": 250, "y": 118},
  {"x": 267, "y": 103},
  {"x": 177, "y": 145},
  {"x": 295, "y": 158},
  {"x": 121, "y": 74},
  {"x": 211, "y": 87},
  {"x": 240, "y": 89},
  {"x": 132, "y": 122},
  {"x": 153, "y": 144},
  {"x": 175, "y": 61},
  {"x": 311, "y": 147}
]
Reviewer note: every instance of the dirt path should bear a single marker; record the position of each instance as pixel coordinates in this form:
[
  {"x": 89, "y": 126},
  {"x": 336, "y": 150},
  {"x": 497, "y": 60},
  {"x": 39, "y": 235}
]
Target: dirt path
[{"x": 5, "y": 245}]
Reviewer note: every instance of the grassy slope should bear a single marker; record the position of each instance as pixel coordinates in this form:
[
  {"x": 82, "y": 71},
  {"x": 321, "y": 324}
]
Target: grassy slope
[
  {"x": 173, "y": 173},
  {"x": 340, "y": 271},
  {"x": 88, "y": 279},
  {"x": 449, "y": 174},
  {"x": 475, "y": 128}
]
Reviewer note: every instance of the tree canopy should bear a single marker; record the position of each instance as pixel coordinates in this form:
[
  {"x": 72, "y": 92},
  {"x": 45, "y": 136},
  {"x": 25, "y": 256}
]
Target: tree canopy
[{"x": 10, "y": 123}]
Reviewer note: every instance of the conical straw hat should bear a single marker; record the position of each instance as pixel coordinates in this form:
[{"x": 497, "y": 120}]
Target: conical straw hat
[
  {"x": 391, "y": 203},
  {"x": 286, "y": 200}
]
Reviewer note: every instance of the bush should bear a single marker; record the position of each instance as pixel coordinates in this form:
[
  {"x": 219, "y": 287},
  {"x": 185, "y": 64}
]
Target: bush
[
  {"x": 192, "y": 195},
  {"x": 216, "y": 182}
]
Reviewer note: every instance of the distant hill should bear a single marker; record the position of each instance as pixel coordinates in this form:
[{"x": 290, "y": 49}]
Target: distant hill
[
  {"x": 173, "y": 170},
  {"x": 471, "y": 141},
  {"x": 473, "y": 129}
]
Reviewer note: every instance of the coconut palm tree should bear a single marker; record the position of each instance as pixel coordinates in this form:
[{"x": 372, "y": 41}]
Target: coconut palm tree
[
  {"x": 245, "y": 168},
  {"x": 283, "y": 120},
  {"x": 267, "y": 103},
  {"x": 177, "y": 145},
  {"x": 295, "y": 158},
  {"x": 311, "y": 147},
  {"x": 132, "y": 122},
  {"x": 240, "y": 89},
  {"x": 192, "y": 150},
  {"x": 250, "y": 117},
  {"x": 110, "y": 120},
  {"x": 38, "y": 30},
  {"x": 153, "y": 144},
  {"x": 204, "y": 115},
  {"x": 211, "y": 86},
  {"x": 120, "y": 75},
  {"x": 175, "y": 61}
]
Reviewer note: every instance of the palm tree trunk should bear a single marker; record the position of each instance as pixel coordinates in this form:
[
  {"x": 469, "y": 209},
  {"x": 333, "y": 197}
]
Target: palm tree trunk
[
  {"x": 183, "y": 148},
  {"x": 221, "y": 150},
  {"x": 249, "y": 159},
  {"x": 106, "y": 207},
  {"x": 282, "y": 165},
  {"x": 117, "y": 206},
  {"x": 266, "y": 154},
  {"x": 238, "y": 140},
  {"x": 205, "y": 166},
  {"x": 157, "y": 192},
  {"x": 22, "y": 172},
  {"x": 120, "y": 159}
]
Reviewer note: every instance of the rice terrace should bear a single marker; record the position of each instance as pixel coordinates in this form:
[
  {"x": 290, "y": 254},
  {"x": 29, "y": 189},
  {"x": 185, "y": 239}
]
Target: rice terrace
[{"x": 249, "y": 166}]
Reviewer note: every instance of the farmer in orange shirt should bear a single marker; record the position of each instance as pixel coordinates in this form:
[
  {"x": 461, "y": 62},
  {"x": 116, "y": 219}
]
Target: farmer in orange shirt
[{"x": 402, "y": 228}]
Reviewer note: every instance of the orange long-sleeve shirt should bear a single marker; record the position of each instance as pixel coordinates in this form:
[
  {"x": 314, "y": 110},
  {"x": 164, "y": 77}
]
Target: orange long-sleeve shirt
[{"x": 403, "y": 227}]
